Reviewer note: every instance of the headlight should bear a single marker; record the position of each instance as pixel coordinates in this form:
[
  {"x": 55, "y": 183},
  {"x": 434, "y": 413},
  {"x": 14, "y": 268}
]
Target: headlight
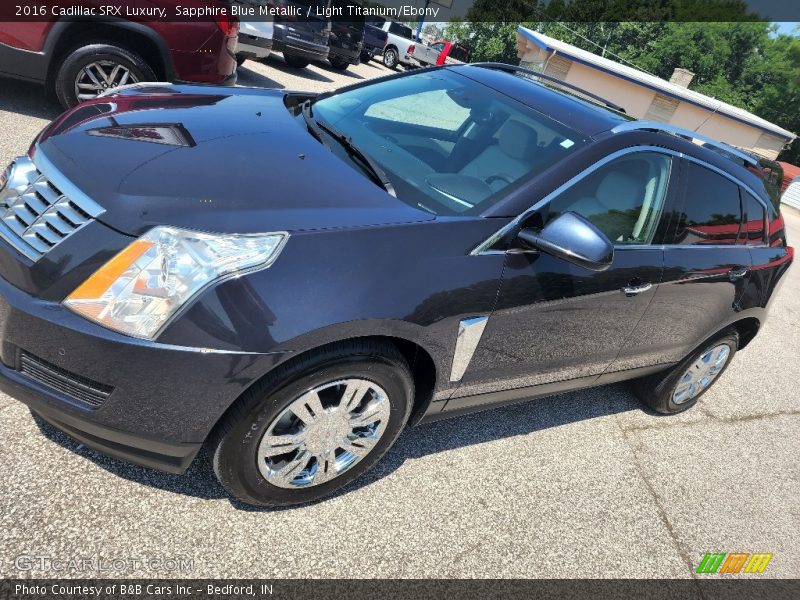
[
  {"x": 5, "y": 176},
  {"x": 138, "y": 290}
]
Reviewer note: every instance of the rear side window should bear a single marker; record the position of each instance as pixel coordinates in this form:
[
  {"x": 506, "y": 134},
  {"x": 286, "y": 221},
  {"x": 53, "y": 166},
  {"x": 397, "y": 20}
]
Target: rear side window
[
  {"x": 712, "y": 212},
  {"x": 753, "y": 226},
  {"x": 401, "y": 30}
]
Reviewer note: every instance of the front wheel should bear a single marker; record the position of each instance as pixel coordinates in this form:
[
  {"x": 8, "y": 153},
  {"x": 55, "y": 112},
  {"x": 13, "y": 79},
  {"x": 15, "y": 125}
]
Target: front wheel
[
  {"x": 96, "y": 68},
  {"x": 310, "y": 429},
  {"x": 679, "y": 388}
]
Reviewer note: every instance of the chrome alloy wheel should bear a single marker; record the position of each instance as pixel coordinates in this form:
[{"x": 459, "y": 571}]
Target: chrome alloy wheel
[
  {"x": 700, "y": 375},
  {"x": 323, "y": 433},
  {"x": 101, "y": 76}
]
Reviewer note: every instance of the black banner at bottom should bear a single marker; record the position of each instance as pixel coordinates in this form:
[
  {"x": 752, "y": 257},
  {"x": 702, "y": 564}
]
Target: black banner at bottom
[{"x": 296, "y": 589}]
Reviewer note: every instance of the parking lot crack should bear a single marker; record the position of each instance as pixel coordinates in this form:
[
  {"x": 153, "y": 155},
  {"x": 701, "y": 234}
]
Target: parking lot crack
[{"x": 660, "y": 510}]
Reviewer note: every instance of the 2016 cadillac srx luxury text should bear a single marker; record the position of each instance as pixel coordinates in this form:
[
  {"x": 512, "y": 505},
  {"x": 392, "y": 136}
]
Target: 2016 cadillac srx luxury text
[{"x": 290, "y": 279}]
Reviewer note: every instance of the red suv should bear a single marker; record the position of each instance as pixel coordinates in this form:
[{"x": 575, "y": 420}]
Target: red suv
[{"x": 79, "y": 58}]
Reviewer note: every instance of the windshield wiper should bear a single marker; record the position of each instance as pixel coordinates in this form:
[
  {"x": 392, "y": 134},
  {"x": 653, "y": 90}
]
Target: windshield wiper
[
  {"x": 316, "y": 126},
  {"x": 312, "y": 126}
]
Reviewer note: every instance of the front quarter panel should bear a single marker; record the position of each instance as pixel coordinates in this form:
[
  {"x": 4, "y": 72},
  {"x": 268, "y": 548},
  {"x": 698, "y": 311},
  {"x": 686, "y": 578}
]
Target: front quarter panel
[{"x": 414, "y": 282}]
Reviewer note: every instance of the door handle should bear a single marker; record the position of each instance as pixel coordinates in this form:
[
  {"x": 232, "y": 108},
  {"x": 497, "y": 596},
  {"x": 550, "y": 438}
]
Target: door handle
[
  {"x": 737, "y": 273},
  {"x": 634, "y": 290}
]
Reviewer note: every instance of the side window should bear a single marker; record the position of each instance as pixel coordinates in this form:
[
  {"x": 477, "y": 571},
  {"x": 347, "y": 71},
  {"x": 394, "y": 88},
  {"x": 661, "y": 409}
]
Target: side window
[
  {"x": 711, "y": 212},
  {"x": 624, "y": 199},
  {"x": 753, "y": 225}
]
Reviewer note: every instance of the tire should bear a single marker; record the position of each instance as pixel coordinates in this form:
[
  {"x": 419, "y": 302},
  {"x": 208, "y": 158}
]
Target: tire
[
  {"x": 237, "y": 441},
  {"x": 365, "y": 57},
  {"x": 339, "y": 64},
  {"x": 661, "y": 390},
  {"x": 106, "y": 55},
  {"x": 295, "y": 61},
  {"x": 240, "y": 60},
  {"x": 390, "y": 58}
]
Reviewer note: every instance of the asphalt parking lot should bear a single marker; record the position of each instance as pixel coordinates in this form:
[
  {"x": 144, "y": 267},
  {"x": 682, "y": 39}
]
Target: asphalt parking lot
[{"x": 585, "y": 484}]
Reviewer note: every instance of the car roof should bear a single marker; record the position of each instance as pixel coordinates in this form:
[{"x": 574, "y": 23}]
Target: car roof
[{"x": 581, "y": 115}]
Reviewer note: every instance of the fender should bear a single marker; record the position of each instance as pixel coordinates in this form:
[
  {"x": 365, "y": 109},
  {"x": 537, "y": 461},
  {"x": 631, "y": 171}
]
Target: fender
[{"x": 39, "y": 66}]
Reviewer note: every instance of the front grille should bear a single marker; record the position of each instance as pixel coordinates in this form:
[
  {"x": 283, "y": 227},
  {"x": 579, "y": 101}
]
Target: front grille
[
  {"x": 36, "y": 215},
  {"x": 80, "y": 388}
]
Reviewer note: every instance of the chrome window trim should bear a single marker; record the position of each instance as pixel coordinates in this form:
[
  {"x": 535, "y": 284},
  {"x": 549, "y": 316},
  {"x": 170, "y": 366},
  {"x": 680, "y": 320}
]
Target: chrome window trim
[
  {"x": 683, "y": 133},
  {"x": 485, "y": 247},
  {"x": 470, "y": 332}
]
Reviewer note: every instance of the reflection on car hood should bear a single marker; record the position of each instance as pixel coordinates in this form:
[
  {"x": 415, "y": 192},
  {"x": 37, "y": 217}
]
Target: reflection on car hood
[{"x": 212, "y": 159}]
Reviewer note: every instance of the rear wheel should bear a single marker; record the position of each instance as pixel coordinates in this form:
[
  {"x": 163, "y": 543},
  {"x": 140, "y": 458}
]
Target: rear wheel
[
  {"x": 390, "y": 58},
  {"x": 365, "y": 57},
  {"x": 295, "y": 61},
  {"x": 338, "y": 63},
  {"x": 240, "y": 59},
  {"x": 679, "y": 388},
  {"x": 312, "y": 428},
  {"x": 91, "y": 70}
]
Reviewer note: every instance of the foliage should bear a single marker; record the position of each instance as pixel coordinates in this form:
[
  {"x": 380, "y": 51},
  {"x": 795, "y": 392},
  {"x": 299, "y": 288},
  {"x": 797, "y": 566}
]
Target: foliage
[{"x": 743, "y": 63}]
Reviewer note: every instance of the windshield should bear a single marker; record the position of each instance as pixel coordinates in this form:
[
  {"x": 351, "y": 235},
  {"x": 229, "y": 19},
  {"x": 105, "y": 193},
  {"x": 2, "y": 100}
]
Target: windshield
[{"x": 447, "y": 144}]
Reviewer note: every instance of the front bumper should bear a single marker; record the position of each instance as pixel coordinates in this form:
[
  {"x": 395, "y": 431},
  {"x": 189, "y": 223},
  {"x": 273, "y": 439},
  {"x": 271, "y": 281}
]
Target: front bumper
[{"x": 163, "y": 400}]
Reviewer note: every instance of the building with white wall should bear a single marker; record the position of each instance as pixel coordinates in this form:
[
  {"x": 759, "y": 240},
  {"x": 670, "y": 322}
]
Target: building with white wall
[{"x": 646, "y": 96}]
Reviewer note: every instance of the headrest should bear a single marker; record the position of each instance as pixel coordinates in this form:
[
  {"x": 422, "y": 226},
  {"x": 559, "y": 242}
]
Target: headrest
[
  {"x": 518, "y": 140},
  {"x": 620, "y": 190}
]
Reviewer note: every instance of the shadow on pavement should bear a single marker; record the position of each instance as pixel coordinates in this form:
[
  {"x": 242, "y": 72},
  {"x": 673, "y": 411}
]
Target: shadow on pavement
[
  {"x": 346, "y": 73},
  {"x": 27, "y": 99},
  {"x": 250, "y": 78},
  {"x": 274, "y": 62},
  {"x": 499, "y": 423}
]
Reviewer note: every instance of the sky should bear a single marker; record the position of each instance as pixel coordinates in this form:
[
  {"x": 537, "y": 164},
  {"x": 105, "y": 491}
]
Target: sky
[{"x": 787, "y": 28}]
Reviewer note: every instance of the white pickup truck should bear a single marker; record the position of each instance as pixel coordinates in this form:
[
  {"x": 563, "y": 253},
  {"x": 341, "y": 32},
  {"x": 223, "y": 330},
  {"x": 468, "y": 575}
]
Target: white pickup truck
[{"x": 400, "y": 46}]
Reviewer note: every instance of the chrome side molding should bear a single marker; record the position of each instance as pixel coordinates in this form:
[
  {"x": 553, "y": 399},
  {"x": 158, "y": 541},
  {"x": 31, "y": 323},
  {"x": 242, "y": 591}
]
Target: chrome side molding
[{"x": 470, "y": 332}]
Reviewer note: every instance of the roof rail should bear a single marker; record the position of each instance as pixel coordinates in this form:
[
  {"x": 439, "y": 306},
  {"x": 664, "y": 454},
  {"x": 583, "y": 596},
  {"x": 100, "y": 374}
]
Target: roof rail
[
  {"x": 686, "y": 134},
  {"x": 556, "y": 80}
]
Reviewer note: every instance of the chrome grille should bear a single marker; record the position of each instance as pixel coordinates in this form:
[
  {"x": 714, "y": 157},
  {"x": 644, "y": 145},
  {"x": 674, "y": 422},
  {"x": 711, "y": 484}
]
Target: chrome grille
[{"x": 36, "y": 214}]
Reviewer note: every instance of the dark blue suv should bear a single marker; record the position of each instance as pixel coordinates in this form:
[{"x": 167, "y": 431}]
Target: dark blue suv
[{"x": 291, "y": 279}]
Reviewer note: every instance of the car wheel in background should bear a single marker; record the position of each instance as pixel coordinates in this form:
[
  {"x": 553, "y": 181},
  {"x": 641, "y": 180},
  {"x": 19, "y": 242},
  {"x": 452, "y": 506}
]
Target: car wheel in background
[
  {"x": 338, "y": 63},
  {"x": 390, "y": 58},
  {"x": 91, "y": 70},
  {"x": 314, "y": 426},
  {"x": 365, "y": 57},
  {"x": 679, "y": 388},
  {"x": 295, "y": 61},
  {"x": 240, "y": 59}
]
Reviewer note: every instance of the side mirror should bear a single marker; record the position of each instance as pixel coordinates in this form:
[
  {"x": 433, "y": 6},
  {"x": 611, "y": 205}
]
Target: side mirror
[{"x": 572, "y": 238}]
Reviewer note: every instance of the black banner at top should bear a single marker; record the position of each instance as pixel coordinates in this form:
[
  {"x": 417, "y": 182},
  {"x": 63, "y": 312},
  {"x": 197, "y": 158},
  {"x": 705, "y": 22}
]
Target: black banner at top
[{"x": 439, "y": 11}]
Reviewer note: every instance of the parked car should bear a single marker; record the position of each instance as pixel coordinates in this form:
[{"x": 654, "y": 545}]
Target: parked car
[
  {"x": 439, "y": 53},
  {"x": 491, "y": 240},
  {"x": 374, "y": 42},
  {"x": 301, "y": 40},
  {"x": 79, "y": 59},
  {"x": 255, "y": 39},
  {"x": 346, "y": 40},
  {"x": 400, "y": 47},
  {"x": 425, "y": 55}
]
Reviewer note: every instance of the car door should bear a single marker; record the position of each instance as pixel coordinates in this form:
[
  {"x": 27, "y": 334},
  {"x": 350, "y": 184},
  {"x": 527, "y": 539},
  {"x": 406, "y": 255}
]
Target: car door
[
  {"x": 555, "y": 321},
  {"x": 706, "y": 268}
]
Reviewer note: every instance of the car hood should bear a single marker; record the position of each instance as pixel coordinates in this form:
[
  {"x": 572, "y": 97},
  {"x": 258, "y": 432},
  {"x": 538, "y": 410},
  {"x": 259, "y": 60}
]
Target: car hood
[{"x": 230, "y": 160}]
